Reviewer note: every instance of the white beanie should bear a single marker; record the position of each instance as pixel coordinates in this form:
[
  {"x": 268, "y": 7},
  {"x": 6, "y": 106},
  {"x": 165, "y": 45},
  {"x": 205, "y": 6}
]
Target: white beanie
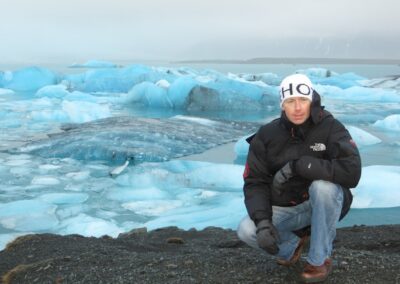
[{"x": 297, "y": 85}]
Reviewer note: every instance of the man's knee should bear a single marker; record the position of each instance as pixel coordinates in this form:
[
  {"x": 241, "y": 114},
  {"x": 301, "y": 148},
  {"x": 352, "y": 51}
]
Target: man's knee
[{"x": 324, "y": 190}]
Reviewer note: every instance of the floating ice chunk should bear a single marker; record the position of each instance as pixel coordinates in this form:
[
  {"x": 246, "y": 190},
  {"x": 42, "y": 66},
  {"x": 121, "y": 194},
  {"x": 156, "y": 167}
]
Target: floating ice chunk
[
  {"x": 89, "y": 226},
  {"x": 385, "y": 82},
  {"x": 182, "y": 166},
  {"x": 148, "y": 180},
  {"x": 226, "y": 215},
  {"x": 192, "y": 196},
  {"x": 343, "y": 81},
  {"x": 179, "y": 91},
  {"x": 153, "y": 207},
  {"x": 75, "y": 187},
  {"x": 78, "y": 176},
  {"x": 43, "y": 103},
  {"x": 71, "y": 210},
  {"x": 11, "y": 189},
  {"x": 81, "y": 96},
  {"x": 28, "y": 215},
  {"x": 205, "y": 194},
  {"x": 79, "y": 112},
  {"x": 49, "y": 167},
  {"x": 187, "y": 71},
  {"x": 17, "y": 162},
  {"x": 327, "y": 77},
  {"x": 131, "y": 194},
  {"x": 114, "y": 79},
  {"x": 200, "y": 120},
  {"x": 204, "y": 78},
  {"x": 29, "y": 79},
  {"x": 21, "y": 171},
  {"x": 362, "y": 137},
  {"x": 317, "y": 72},
  {"x": 232, "y": 94},
  {"x": 19, "y": 157},
  {"x": 150, "y": 95},
  {"x": 53, "y": 91},
  {"x": 373, "y": 192},
  {"x": 98, "y": 167},
  {"x": 180, "y": 174},
  {"x": 163, "y": 84},
  {"x": 45, "y": 180},
  {"x": 104, "y": 214},
  {"x": 216, "y": 176},
  {"x": 203, "y": 98},
  {"x": 358, "y": 117},
  {"x": 360, "y": 94},
  {"x": 118, "y": 170},
  {"x": 242, "y": 146},
  {"x": 64, "y": 198},
  {"x": 392, "y": 123},
  {"x": 73, "y": 111},
  {"x": 6, "y": 92},
  {"x": 267, "y": 78},
  {"x": 5, "y": 76},
  {"x": 49, "y": 115}
]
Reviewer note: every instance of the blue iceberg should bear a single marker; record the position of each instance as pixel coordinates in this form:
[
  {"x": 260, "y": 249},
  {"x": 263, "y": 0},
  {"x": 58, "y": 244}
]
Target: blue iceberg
[
  {"x": 116, "y": 139},
  {"x": 28, "y": 79}
]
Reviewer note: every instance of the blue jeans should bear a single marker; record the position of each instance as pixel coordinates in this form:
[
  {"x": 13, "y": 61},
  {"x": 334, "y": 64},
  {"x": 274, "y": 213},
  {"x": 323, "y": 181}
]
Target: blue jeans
[{"x": 321, "y": 211}]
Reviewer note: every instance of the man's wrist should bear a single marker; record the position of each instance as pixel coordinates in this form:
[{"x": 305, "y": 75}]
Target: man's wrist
[
  {"x": 263, "y": 224},
  {"x": 258, "y": 221}
]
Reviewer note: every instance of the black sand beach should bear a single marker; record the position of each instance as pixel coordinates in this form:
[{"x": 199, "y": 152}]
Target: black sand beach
[{"x": 362, "y": 254}]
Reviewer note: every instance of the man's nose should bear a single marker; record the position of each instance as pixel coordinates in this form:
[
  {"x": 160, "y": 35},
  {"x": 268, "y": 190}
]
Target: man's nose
[{"x": 297, "y": 104}]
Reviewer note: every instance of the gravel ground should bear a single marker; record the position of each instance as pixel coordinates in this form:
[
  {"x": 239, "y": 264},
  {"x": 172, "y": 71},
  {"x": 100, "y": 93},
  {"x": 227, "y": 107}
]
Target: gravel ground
[{"x": 362, "y": 255}]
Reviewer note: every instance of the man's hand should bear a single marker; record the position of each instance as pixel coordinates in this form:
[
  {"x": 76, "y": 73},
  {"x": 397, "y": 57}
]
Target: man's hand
[
  {"x": 282, "y": 176},
  {"x": 267, "y": 236}
]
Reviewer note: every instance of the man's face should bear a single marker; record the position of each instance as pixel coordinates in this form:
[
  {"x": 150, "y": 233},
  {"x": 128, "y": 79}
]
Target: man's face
[{"x": 297, "y": 109}]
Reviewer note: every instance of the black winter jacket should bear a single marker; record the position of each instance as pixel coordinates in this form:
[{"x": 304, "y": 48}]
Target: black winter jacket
[{"x": 322, "y": 150}]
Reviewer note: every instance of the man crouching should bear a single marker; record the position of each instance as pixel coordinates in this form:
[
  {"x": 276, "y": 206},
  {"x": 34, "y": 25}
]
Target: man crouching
[{"x": 298, "y": 173}]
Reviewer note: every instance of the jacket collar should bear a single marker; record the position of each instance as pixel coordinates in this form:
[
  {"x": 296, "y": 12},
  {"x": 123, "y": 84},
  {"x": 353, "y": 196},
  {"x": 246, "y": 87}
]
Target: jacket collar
[{"x": 317, "y": 110}]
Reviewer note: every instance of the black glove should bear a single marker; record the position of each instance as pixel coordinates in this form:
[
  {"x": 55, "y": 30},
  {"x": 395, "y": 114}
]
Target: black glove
[
  {"x": 267, "y": 236},
  {"x": 282, "y": 176}
]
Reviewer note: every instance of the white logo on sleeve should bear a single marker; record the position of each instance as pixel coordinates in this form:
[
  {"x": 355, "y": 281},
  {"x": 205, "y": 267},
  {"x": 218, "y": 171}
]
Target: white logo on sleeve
[{"x": 318, "y": 147}]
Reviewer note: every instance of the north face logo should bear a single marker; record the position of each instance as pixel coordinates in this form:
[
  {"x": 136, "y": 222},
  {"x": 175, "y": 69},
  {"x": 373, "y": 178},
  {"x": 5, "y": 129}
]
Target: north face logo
[{"x": 318, "y": 147}]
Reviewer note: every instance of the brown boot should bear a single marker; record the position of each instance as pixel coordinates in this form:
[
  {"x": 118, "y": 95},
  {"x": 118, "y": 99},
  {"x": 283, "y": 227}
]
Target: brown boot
[
  {"x": 296, "y": 254},
  {"x": 312, "y": 274}
]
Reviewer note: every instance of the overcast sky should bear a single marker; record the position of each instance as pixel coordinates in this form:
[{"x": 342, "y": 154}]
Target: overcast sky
[{"x": 197, "y": 29}]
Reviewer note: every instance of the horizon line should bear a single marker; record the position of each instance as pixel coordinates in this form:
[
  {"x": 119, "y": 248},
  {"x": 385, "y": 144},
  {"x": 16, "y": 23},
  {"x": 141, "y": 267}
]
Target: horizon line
[{"x": 295, "y": 60}]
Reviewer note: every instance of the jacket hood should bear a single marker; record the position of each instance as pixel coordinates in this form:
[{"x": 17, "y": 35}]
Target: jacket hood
[{"x": 317, "y": 110}]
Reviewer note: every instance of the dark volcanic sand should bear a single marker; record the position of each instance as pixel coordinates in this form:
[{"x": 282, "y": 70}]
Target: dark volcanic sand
[{"x": 362, "y": 255}]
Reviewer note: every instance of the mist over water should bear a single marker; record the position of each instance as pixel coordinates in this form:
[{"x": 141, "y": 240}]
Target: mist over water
[{"x": 366, "y": 70}]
